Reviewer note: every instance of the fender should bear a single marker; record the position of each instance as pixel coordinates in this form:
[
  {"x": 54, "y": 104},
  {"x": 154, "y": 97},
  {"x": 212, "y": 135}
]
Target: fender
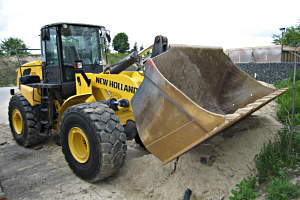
[{"x": 71, "y": 101}]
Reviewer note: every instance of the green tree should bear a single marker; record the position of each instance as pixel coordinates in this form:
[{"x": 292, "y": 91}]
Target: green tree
[
  {"x": 134, "y": 48},
  {"x": 105, "y": 45},
  {"x": 291, "y": 37},
  {"x": 120, "y": 43},
  {"x": 9, "y": 46}
]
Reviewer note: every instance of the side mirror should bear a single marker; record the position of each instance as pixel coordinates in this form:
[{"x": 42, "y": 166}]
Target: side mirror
[
  {"x": 108, "y": 37},
  {"x": 45, "y": 34}
]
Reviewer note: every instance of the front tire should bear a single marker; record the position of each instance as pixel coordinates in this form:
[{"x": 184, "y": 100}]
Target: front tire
[
  {"x": 93, "y": 141},
  {"x": 138, "y": 140},
  {"x": 23, "y": 122}
]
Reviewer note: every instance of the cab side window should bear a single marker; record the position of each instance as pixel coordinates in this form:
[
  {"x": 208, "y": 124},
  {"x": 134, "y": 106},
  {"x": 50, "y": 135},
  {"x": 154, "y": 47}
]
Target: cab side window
[{"x": 51, "y": 49}]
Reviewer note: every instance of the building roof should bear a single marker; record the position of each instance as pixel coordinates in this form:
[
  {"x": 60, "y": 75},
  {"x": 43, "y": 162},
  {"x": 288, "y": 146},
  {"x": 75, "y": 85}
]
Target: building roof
[{"x": 285, "y": 48}]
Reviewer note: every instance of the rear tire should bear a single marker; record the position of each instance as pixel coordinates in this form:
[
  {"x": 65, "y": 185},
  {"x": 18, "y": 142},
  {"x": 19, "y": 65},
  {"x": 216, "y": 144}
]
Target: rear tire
[
  {"x": 23, "y": 122},
  {"x": 104, "y": 139}
]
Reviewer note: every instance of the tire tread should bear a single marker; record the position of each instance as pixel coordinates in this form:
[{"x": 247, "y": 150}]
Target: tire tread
[
  {"x": 31, "y": 121},
  {"x": 108, "y": 133}
]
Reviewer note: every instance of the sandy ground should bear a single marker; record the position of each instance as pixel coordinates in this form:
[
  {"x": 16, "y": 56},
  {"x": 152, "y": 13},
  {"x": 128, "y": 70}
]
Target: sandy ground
[{"x": 210, "y": 170}]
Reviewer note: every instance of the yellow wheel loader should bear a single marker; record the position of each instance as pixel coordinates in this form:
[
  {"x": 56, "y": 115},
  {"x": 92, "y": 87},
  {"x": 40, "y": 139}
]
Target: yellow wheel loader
[{"x": 172, "y": 100}]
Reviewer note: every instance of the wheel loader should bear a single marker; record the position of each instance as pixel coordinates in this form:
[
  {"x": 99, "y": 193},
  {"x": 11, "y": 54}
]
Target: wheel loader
[{"x": 168, "y": 102}]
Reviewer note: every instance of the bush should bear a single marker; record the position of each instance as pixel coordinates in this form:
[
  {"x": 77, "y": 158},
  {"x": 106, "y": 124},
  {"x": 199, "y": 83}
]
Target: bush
[
  {"x": 245, "y": 190},
  {"x": 297, "y": 77},
  {"x": 268, "y": 162},
  {"x": 285, "y": 101},
  {"x": 275, "y": 156},
  {"x": 282, "y": 189}
]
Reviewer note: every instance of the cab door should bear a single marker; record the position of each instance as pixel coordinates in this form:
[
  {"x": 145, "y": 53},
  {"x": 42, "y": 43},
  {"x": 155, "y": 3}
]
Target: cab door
[
  {"x": 54, "y": 69},
  {"x": 50, "y": 57}
]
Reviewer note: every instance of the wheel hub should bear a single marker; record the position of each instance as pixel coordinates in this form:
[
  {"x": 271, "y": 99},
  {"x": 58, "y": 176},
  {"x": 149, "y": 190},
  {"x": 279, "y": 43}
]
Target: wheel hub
[
  {"x": 17, "y": 121},
  {"x": 79, "y": 145}
]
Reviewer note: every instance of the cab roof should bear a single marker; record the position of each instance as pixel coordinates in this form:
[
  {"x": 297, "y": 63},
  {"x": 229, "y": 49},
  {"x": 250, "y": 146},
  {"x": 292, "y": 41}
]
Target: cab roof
[{"x": 75, "y": 24}]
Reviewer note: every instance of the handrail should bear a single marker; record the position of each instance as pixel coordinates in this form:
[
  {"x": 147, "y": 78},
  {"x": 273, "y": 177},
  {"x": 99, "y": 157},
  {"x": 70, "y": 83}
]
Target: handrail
[
  {"x": 23, "y": 49},
  {"x": 30, "y": 66}
]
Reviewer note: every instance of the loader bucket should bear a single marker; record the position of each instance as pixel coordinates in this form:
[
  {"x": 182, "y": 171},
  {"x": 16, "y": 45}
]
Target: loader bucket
[{"x": 191, "y": 93}]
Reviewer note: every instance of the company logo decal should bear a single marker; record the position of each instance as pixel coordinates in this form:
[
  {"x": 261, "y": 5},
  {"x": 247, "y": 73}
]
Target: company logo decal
[{"x": 116, "y": 85}]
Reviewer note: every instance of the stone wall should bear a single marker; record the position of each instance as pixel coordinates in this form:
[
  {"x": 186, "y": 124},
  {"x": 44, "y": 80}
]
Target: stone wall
[{"x": 268, "y": 72}]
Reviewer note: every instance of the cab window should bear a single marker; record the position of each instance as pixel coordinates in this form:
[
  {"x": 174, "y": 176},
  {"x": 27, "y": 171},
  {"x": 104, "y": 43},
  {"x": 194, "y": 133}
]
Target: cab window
[{"x": 51, "y": 49}]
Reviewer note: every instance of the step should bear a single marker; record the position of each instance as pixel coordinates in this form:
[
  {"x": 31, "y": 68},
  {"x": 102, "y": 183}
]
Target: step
[
  {"x": 44, "y": 109},
  {"x": 44, "y": 122},
  {"x": 44, "y": 134}
]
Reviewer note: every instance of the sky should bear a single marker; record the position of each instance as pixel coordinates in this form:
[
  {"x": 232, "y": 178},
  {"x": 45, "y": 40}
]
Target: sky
[{"x": 227, "y": 23}]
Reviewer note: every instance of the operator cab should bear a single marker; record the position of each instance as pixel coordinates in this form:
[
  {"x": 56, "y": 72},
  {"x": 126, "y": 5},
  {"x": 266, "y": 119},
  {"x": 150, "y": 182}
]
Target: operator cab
[{"x": 68, "y": 48}]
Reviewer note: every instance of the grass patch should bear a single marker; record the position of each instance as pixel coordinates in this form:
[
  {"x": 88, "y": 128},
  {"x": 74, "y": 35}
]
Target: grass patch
[
  {"x": 7, "y": 74},
  {"x": 285, "y": 101},
  {"x": 282, "y": 153},
  {"x": 279, "y": 155},
  {"x": 247, "y": 189},
  {"x": 113, "y": 58},
  {"x": 282, "y": 189}
]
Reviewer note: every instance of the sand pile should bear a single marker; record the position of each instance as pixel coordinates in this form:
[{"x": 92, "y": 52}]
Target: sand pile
[{"x": 210, "y": 170}]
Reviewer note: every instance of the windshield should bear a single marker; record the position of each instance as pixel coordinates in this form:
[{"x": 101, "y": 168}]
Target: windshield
[{"x": 81, "y": 44}]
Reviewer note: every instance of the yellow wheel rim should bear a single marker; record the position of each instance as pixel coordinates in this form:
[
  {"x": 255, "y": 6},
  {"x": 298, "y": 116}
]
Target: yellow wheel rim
[
  {"x": 17, "y": 121},
  {"x": 79, "y": 145}
]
